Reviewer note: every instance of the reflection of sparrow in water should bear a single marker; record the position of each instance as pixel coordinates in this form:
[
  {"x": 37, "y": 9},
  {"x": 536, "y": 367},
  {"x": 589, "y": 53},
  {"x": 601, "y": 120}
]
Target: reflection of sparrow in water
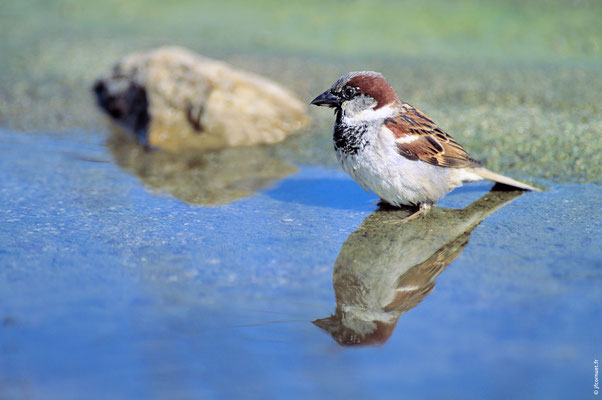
[
  {"x": 394, "y": 150},
  {"x": 385, "y": 268}
]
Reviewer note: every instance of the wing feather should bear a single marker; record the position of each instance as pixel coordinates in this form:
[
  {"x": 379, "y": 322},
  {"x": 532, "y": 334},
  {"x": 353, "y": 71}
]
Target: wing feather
[{"x": 419, "y": 138}]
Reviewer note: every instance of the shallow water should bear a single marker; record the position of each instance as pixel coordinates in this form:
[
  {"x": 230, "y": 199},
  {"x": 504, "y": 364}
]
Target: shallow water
[{"x": 117, "y": 290}]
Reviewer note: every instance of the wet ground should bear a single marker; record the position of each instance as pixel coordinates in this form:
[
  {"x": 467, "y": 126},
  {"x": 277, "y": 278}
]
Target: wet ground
[
  {"x": 126, "y": 274},
  {"x": 114, "y": 290}
]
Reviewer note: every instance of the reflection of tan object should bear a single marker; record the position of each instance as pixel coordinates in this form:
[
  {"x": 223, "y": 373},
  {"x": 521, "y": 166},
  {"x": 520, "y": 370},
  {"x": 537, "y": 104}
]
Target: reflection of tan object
[
  {"x": 210, "y": 178},
  {"x": 195, "y": 101},
  {"x": 385, "y": 268}
]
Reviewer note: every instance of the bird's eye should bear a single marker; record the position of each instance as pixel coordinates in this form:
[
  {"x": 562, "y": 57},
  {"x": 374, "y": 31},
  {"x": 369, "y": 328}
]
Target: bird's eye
[{"x": 349, "y": 92}]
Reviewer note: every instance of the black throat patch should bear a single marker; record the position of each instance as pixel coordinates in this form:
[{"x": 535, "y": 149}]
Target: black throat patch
[{"x": 348, "y": 139}]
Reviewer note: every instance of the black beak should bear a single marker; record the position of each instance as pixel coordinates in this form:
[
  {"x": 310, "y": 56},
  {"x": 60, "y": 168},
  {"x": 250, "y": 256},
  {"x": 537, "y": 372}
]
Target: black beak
[{"x": 327, "y": 99}]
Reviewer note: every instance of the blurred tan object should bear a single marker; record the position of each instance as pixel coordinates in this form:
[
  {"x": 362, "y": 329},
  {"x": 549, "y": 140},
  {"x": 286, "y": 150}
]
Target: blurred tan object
[
  {"x": 207, "y": 178},
  {"x": 173, "y": 98}
]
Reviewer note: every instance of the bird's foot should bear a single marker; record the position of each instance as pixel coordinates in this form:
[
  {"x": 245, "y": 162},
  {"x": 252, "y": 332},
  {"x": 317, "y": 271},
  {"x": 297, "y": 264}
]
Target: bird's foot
[{"x": 422, "y": 209}]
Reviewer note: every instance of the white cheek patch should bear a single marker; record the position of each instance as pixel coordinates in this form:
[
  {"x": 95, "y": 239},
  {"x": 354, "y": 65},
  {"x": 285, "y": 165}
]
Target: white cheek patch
[{"x": 367, "y": 115}]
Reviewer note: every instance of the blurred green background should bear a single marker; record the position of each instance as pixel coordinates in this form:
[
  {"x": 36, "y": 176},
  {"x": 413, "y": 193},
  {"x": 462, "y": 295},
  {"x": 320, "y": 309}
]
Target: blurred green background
[{"x": 518, "y": 83}]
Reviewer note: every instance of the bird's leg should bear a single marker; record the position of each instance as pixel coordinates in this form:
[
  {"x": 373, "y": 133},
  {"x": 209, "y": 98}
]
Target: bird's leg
[{"x": 422, "y": 209}]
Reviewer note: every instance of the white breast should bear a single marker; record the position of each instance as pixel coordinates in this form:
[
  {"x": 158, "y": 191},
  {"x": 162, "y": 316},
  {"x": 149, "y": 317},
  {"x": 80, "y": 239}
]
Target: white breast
[{"x": 395, "y": 179}]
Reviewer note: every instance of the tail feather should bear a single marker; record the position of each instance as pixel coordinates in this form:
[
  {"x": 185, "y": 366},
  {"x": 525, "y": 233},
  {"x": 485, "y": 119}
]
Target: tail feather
[{"x": 492, "y": 176}]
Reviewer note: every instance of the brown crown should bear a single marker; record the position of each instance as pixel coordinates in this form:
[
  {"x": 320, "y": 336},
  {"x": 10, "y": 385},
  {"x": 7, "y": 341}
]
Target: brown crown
[{"x": 376, "y": 86}]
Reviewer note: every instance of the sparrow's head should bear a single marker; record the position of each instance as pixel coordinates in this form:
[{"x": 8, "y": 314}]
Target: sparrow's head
[{"x": 357, "y": 92}]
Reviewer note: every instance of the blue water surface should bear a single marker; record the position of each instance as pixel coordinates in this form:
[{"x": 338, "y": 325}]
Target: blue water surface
[{"x": 110, "y": 289}]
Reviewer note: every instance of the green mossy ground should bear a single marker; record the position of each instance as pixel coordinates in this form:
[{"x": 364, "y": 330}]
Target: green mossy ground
[{"x": 518, "y": 84}]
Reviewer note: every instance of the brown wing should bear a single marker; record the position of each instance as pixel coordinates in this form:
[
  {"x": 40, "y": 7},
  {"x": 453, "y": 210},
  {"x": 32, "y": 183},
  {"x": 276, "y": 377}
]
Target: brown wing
[{"x": 419, "y": 138}]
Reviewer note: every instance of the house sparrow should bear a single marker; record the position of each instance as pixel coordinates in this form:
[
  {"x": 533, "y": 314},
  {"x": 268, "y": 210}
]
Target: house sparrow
[
  {"x": 385, "y": 269},
  {"x": 393, "y": 149}
]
